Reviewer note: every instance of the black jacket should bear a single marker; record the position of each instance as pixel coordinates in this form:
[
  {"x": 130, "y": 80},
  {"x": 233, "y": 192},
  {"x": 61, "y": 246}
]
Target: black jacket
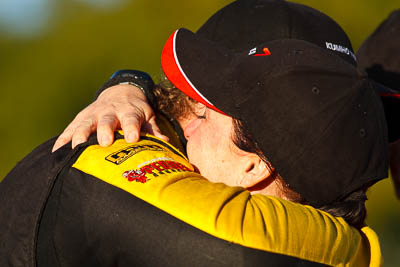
[{"x": 142, "y": 205}]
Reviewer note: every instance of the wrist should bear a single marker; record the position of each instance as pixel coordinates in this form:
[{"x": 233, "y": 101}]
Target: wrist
[
  {"x": 136, "y": 78},
  {"x": 122, "y": 91},
  {"x": 135, "y": 85}
]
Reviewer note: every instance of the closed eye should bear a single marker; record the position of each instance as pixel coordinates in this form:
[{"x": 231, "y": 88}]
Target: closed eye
[{"x": 201, "y": 116}]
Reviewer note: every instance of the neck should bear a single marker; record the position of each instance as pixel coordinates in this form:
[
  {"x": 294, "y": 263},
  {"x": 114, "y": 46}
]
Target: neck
[{"x": 268, "y": 187}]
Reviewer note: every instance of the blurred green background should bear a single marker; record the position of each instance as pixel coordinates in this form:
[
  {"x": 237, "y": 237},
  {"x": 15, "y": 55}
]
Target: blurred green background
[{"x": 55, "y": 54}]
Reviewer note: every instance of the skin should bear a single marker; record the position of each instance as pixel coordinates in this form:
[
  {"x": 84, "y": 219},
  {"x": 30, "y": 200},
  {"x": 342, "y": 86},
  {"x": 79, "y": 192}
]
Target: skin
[
  {"x": 219, "y": 159},
  {"x": 211, "y": 149}
]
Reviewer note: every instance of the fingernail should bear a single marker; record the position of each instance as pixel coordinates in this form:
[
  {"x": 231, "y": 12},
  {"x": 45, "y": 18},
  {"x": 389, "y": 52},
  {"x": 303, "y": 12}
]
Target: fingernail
[
  {"x": 105, "y": 141},
  {"x": 164, "y": 137},
  {"x": 55, "y": 147},
  {"x": 131, "y": 138}
]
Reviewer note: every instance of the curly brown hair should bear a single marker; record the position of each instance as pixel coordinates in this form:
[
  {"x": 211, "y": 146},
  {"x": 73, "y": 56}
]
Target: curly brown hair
[{"x": 171, "y": 101}]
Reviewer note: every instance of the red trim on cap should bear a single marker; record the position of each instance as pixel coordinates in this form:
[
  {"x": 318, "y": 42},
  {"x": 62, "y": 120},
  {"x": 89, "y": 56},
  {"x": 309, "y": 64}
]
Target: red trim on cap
[
  {"x": 394, "y": 95},
  {"x": 175, "y": 74}
]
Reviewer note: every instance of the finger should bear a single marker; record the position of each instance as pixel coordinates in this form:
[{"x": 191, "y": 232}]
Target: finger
[
  {"x": 151, "y": 127},
  {"x": 63, "y": 139},
  {"x": 131, "y": 124},
  {"x": 82, "y": 132},
  {"x": 105, "y": 129},
  {"x": 68, "y": 133}
]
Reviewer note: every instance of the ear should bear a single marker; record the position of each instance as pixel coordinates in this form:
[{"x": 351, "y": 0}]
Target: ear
[{"x": 257, "y": 174}]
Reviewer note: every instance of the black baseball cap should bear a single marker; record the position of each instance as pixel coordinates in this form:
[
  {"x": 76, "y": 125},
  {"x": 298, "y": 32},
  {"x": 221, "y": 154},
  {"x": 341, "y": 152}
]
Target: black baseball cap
[
  {"x": 379, "y": 56},
  {"x": 316, "y": 119},
  {"x": 246, "y": 23}
]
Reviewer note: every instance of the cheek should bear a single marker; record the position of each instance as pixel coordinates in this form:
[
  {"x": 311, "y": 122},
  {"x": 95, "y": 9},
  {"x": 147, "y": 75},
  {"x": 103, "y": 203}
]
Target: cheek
[
  {"x": 210, "y": 156},
  {"x": 190, "y": 126},
  {"x": 200, "y": 152}
]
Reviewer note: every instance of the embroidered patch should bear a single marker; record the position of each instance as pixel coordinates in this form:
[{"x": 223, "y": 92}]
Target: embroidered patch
[
  {"x": 155, "y": 169},
  {"x": 120, "y": 156}
]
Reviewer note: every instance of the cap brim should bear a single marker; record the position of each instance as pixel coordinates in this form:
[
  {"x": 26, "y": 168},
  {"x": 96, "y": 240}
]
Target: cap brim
[
  {"x": 394, "y": 95},
  {"x": 186, "y": 60}
]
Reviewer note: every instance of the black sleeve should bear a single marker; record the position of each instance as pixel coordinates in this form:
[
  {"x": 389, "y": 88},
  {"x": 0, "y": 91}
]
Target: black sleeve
[{"x": 23, "y": 194}]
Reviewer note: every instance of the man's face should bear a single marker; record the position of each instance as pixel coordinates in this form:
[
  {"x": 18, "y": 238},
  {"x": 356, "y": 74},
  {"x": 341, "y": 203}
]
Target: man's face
[
  {"x": 209, "y": 134},
  {"x": 210, "y": 147}
]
